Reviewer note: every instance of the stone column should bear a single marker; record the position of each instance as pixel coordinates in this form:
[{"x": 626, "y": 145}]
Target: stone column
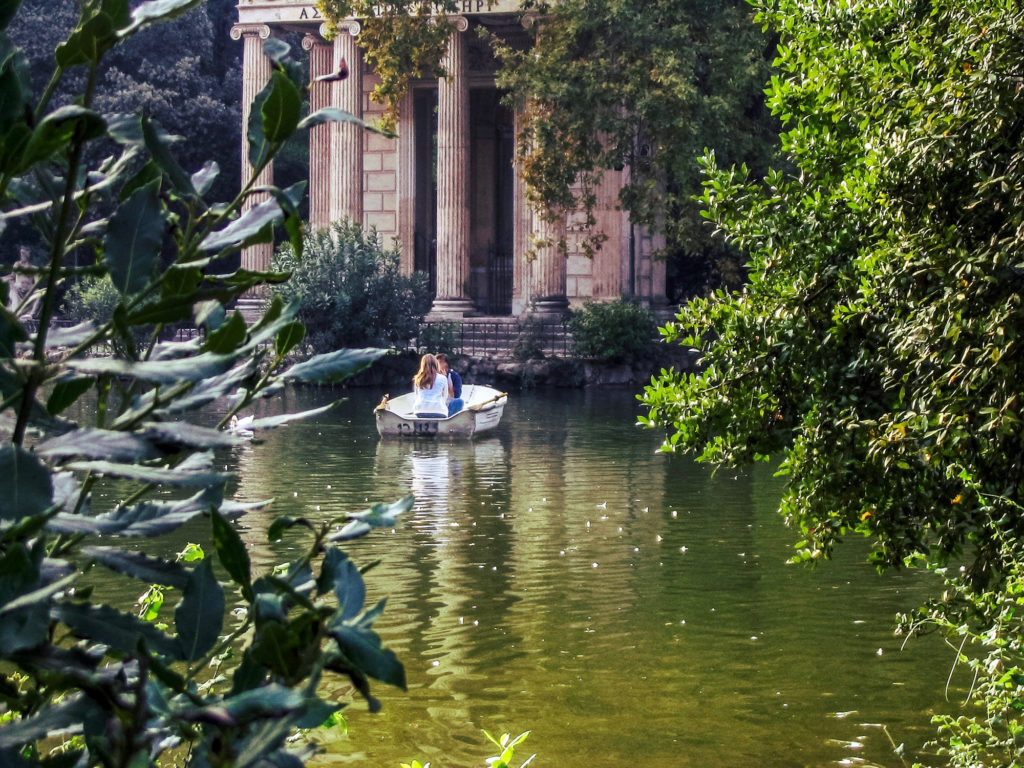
[
  {"x": 346, "y": 170},
  {"x": 547, "y": 285},
  {"x": 522, "y": 228},
  {"x": 255, "y": 74},
  {"x": 321, "y": 57},
  {"x": 452, "y": 181},
  {"x": 547, "y": 272},
  {"x": 407, "y": 182}
]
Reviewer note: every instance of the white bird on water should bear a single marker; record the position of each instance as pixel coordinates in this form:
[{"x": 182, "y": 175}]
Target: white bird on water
[{"x": 241, "y": 427}]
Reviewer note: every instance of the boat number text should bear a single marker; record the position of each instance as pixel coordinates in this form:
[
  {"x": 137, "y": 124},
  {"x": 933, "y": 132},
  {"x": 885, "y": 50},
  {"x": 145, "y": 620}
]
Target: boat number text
[{"x": 418, "y": 428}]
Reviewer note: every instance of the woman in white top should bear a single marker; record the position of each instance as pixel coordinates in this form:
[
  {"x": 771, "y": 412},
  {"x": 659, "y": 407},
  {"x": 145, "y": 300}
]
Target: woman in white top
[{"x": 431, "y": 387}]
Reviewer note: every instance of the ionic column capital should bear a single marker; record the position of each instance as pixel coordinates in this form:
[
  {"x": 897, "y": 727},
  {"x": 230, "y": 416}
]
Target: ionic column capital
[
  {"x": 458, "y": 23},
  {"x": 262, "y": 31},
  {"x": 351, "y": 26}
]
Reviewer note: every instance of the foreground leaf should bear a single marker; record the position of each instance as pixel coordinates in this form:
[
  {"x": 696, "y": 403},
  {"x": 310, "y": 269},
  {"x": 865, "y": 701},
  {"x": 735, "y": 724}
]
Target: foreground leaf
[
  {"x": 378, "y": 516},
  {"x": 118, "y": 630},
  {"x": 25, "y": 485},
  {"x": 137, "y": 565},
  {"x": 133, "y": 240},
  {"x": 334, "y": 366},
  {"x": 200, "y": 614}
]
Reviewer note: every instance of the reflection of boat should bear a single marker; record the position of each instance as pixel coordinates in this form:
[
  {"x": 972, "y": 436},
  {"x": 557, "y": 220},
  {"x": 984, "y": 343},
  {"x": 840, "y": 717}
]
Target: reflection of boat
[
  {"x": 484, "y": 406},
  {"x": 445, "y": 476},
  {"x": 484, "y": 459}
]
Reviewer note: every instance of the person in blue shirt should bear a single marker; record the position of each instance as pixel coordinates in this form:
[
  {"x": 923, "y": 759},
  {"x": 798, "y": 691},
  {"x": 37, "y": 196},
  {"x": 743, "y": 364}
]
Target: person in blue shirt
[{"x": 455, "y": 385}]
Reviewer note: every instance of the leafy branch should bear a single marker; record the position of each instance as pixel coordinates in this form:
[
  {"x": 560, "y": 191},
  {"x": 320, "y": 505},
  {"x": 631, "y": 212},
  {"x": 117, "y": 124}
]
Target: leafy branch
[{"x": 124, "y": 691}]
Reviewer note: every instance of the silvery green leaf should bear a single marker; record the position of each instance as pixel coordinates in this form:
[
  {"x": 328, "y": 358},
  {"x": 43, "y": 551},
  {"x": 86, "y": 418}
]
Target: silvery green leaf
[
  {"x": 188, "y": 435},
  {"x": 184, "y": 475},
  {"x": 245, "y": 228},
  {"x": 69, "y": 337},
  {"x": 333, "y": 366},
  {"x": 160, "y": 371},
  {"x": 269, "y": 422},
  {"x": 98, "y": 444},
  {"x": 138, "y": 565}
]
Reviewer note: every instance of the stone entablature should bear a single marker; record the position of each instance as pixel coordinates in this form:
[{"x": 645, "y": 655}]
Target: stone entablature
[{"x": 304, "y": 12}]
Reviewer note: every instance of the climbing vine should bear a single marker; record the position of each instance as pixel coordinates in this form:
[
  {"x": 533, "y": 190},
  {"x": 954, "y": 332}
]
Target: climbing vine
[{"x": 400, "y": 39}]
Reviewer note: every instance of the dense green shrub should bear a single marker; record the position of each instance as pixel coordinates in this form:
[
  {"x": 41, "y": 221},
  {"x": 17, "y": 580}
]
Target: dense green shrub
[
  {"x": 351, "y": 291},
  {"x": 529, "y": 344},
  {"x": 614, "y": 332},
  {"x": 439, "y": 336},
  {"x": 93, "y": 298}
]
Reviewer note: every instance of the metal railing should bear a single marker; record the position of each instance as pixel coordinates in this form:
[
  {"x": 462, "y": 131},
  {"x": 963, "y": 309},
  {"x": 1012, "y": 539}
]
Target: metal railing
[
  {"x": 497, "y": 338},
  {"x": 500, "y": 338}
]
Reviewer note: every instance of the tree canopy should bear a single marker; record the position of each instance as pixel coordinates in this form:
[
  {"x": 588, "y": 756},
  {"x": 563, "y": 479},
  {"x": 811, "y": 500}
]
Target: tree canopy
[
  {"x": 402, "y": 39},
  {"x": 645, "y": 86},
  {"x": 876, "y": 347}
]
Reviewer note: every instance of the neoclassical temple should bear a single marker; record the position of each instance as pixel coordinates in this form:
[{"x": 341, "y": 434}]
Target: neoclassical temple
[{"x": 447, "y": 189}]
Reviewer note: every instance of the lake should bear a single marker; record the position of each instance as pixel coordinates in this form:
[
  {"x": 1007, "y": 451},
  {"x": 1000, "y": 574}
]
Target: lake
[{"x": 629, "y": 607}]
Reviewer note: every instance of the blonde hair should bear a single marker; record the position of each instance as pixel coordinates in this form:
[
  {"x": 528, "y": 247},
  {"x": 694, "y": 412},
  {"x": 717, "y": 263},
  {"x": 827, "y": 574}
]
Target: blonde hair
[{"x": 424, "y": 378}]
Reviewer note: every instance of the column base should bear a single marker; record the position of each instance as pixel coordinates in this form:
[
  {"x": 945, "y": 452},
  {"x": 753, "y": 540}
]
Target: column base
[
  {"x": 549, "y": 308},
  {"x": 251, "y": 307},
  {"x": 451, "y": 309}
]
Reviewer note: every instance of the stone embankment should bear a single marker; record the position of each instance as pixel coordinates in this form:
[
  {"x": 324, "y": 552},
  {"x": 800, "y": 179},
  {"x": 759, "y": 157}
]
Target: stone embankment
[{"x": 395, "y": 371}]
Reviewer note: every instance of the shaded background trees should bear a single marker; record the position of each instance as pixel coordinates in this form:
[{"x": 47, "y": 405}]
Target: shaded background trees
[{"x": 186, "y": 74}]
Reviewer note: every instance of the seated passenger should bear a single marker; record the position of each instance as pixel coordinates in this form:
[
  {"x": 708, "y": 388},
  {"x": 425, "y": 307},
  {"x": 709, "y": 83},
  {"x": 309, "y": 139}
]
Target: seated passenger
[
  {"x": 431, "y": 388},
  {"x": 455, "y": 404}
]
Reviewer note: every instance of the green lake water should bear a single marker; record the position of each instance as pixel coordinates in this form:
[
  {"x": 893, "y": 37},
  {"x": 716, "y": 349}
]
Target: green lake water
[{"x": 629, "y": 607}]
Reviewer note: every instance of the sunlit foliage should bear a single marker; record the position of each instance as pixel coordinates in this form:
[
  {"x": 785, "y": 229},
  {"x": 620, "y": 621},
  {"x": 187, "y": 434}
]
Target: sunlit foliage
[{"x": 876, "y": 348}]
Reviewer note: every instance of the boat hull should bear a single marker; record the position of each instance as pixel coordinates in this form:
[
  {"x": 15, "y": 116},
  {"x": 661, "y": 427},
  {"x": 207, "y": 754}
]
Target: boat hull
[{"x": 482, "y": 413}]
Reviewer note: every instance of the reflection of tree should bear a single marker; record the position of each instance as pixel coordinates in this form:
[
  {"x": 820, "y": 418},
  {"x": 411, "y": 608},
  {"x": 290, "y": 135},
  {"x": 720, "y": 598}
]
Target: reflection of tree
[{"x": 586, "y": 491}]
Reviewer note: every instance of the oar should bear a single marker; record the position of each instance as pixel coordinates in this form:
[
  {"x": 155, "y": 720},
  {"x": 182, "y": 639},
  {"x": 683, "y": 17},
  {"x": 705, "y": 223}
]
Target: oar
[
  {"x": 383, "y": 404},
  {"x": 478, "y": 406}
]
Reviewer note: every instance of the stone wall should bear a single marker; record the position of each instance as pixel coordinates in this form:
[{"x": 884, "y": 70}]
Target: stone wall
[
  {"x": 393, "y": 373},
  {"x": 380, "y": 170}
]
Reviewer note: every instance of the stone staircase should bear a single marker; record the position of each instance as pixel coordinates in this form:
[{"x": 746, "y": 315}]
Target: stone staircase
[{"x": 496, "y": 337}]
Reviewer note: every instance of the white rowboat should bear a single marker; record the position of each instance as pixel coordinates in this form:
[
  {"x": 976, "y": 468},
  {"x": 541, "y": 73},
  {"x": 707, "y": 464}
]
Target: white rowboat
[{"x": 482, "y": 412}]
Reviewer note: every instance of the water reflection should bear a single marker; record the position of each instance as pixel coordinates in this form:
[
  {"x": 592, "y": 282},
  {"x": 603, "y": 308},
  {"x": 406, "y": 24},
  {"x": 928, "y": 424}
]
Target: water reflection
[
  {"x": 437, "y": 469},
  {"x": 629, "y": 607}
]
